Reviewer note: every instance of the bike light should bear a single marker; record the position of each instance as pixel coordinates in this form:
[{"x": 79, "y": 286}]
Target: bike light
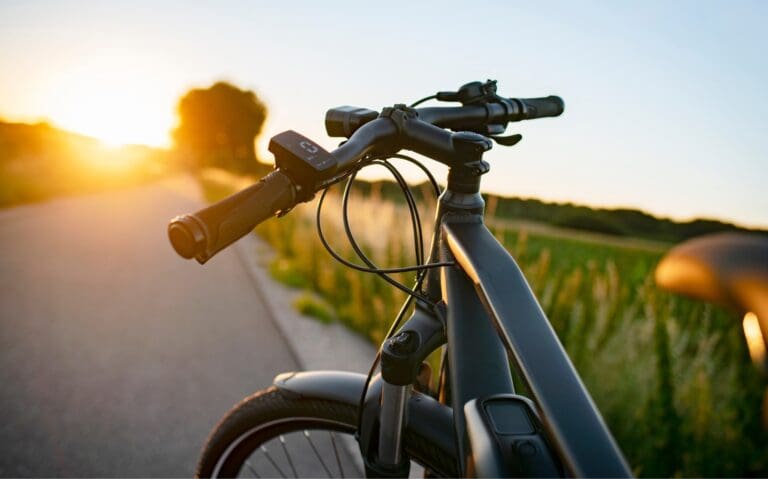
[
  {"x": 755, "y": 341},
  {"x": 343, "y": 121}
]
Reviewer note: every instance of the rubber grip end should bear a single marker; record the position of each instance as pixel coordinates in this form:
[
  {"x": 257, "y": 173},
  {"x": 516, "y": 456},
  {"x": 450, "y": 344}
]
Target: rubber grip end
[{"x": 187, "y": 236}]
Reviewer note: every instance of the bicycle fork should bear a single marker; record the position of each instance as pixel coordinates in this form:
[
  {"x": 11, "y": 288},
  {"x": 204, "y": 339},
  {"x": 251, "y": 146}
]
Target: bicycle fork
[
  {"x": 384, "y": 421},
  {"x": 392, "y": 423}
]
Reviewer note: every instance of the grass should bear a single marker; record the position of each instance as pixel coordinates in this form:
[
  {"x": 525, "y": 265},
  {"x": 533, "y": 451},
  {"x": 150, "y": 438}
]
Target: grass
[
  {"x": 671, "y": 377},
  {"x": 314, "y": 306}
]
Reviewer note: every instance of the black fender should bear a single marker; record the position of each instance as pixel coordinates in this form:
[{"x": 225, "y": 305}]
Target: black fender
[
  {"x": 339, "y": 386},
  {"x": 427, "y": 419}
]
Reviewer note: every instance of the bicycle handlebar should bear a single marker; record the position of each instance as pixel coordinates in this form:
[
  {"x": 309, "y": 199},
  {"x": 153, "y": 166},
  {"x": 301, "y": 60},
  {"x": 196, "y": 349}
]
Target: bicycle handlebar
[
  {"x": 201, "y": 235},
  {"x": 511, "y": 110},
  {"x": 543, "y": 107}
]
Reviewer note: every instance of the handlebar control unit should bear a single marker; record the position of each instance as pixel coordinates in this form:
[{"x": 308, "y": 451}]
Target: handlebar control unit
[{"x": 306, "y": 162}]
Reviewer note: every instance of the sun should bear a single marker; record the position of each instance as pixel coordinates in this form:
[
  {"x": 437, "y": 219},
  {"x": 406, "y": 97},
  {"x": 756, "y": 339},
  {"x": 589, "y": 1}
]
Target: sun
[{"x": 112, "y": 102}]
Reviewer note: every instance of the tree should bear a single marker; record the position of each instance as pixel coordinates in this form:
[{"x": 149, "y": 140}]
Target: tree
[{"x": 218, "y": 127}]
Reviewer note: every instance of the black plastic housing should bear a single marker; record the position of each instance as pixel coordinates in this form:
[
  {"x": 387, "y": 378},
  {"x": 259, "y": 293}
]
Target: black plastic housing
[
  {"x": 506, "y": 439},
  {"x": 306, "y": 162},
  {"x": 343, "y": 121}
]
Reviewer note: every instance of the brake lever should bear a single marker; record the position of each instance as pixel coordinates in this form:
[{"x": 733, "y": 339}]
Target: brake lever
[{"x": 507, "y": 140}]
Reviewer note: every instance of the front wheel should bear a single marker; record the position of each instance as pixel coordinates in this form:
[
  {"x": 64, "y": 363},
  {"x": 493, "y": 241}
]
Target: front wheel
[{"x": 276, "y": 434}]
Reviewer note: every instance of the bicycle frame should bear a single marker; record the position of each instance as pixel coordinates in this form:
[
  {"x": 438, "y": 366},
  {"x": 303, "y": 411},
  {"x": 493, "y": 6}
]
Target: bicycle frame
[
  {"x": 493, "y": 317},
  {"x": 511, "y": 317}
]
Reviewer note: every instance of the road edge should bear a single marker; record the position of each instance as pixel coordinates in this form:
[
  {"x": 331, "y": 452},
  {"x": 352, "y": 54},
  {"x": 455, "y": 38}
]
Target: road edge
[{"x": 314, "y": 345}]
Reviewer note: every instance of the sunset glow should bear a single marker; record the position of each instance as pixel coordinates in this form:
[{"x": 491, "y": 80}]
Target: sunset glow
[
  {"x": 112, "y": 159},
  {"x": 112, "y": 101}
]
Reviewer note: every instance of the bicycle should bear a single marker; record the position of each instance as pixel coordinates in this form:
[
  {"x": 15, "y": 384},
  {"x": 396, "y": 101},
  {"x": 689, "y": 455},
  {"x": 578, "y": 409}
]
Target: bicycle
[{"x": 469, "y": 296}]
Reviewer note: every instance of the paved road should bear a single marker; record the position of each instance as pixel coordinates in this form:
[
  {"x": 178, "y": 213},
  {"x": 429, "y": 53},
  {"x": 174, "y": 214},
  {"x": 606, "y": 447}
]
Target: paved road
[{"x": 116, "y": 356}]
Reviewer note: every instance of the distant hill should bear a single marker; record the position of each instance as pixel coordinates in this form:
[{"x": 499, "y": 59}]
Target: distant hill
[
  {"x": 618, "y": 222},
  {"x": 39, "y": 161}
]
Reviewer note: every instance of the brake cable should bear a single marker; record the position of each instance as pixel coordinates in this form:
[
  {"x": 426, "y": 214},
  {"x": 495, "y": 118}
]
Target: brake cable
[
  {"x": 371, "y": 267},
  {"x": 426, "y": 98},
  {"x": 420, "y": 268}
]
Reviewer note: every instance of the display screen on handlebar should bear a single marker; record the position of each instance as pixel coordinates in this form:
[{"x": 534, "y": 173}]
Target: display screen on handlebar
[{"x": 304, "y": 160}]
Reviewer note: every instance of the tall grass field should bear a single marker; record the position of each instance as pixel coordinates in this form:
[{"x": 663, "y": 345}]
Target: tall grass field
[{"x": 671, "y": 377}]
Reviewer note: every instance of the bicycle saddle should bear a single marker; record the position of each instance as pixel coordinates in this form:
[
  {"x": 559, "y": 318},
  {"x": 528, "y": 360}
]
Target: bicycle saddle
[{"x": 730, "y": 269}]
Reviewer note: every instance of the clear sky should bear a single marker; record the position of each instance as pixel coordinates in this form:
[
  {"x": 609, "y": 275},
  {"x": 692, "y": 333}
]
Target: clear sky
[{"x": 666, "y": 102}]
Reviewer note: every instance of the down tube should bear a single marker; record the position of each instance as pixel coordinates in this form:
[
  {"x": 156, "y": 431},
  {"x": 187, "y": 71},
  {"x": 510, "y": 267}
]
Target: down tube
[
  {"x": 570, "y": 417},
  {"x": 478, "y": 364}
]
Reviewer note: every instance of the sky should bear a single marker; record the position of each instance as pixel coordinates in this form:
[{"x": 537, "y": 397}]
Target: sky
[{"x": 666, "y": 102}]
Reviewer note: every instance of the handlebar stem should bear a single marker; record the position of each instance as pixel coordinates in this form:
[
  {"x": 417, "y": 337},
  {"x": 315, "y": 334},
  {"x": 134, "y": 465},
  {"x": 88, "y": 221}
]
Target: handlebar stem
[
  {"x": 455, "y": 150},
  {"x": 400, "y": 127}
]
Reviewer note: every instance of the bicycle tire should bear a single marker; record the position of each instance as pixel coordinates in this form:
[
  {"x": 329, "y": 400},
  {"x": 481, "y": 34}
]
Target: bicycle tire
[{"x": 271, "y": 412}]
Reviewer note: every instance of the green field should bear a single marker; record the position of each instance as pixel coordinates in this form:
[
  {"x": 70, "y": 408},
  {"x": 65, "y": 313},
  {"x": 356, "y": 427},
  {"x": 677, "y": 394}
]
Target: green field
[{"x": 672, "y": 377}]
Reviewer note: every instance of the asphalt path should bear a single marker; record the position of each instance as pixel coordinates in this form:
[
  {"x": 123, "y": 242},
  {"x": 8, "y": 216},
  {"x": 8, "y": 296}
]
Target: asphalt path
[{"x": 116, "y": 356}]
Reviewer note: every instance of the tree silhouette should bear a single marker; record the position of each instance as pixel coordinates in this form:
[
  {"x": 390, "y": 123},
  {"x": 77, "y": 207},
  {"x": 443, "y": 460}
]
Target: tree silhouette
[{"x": 218, "y": 127}]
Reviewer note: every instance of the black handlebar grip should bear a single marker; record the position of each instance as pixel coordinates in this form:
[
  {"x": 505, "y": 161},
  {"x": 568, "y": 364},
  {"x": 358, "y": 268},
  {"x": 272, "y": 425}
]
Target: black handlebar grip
[
  {"x": 203, "y": 234},
  {"x": 542, "y": 107}
]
